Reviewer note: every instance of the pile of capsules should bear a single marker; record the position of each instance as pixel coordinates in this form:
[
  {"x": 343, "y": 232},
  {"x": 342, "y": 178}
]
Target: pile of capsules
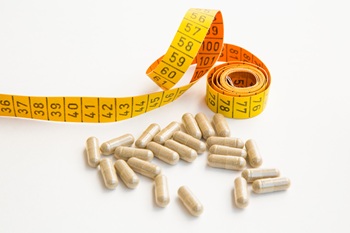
[{"x": 171, "y": 144}]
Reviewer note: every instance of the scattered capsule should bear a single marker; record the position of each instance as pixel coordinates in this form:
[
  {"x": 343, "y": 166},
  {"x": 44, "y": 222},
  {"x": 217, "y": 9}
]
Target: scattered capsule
[
  {"x": 107, "y": 148},
  {"x": 204, "y": 125},
  {"x": 161, "y": 191},
  {"x": 125, "y": 153},
  {"x": 167, "y": 132},
  {"x": 220, "y": 124},
  {"x": 254, "y": 156},
  {"x": 186, "y": 153},
  {"x": 108, "y": 173},
  {"x": 144, "y": 168},
  {"x": 226, "y": 162},
  {"x": 225, "y": 141},
  {"x": 226, "y": 150},
  {"x": 241, "y": 192},
  {"x": 191, "y": 126},
  {"x": 259, "y": 173},
  {"x": 271, "y": 185},
  {"x": 190, "y": 141},
  {"x": 93, "y": 152},
  {"x": 128, "y": 176},
  {"x": 147, "y": 135},
  {"x": 190, "y": 201},
  {"x": 163, "y": 153}
]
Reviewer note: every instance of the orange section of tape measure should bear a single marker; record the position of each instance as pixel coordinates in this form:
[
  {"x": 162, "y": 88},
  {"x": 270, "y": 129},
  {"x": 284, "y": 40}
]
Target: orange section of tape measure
[{"x": 237, "y": 88}]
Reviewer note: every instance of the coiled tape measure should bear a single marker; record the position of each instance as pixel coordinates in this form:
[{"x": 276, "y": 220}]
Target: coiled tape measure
[{"x": 237, "y": 88}]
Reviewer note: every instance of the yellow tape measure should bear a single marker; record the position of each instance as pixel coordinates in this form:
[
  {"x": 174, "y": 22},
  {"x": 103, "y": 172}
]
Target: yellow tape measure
[{"x": 237, "y": 88}]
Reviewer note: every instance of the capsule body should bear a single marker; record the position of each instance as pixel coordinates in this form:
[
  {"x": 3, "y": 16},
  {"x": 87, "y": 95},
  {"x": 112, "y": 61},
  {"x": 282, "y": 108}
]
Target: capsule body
[
  {"x": 225, "y": 141},
  {"x": 190, "y": 201},
  {"x": 163, "y": 153},
  {"x": 186, "y": 153},
  {"x": 259, "y": 173},
  {"x": 108, "y": 173},
  {"x": 167, "y": 132},
  {"x": 254, "y": 156},
  {"x": 144, "y": 168},
  {"x": 271, "y": 185},
  {"x": 191, "y": 126},
  {"x": 241, "y": 192},
  {"x": 204, "y": 125},
  {"x": 125, "y": 153},
  {"x": 128, "y": 176},
  {"x": 189, "y": 141},
  {"x": 93, "y": 152},
  {"x": 107, "y": 148},
  {"x": 147, "y": 135},
  {"x": 226, "y": 162},
  {"x": 220, "y": 124},
  {"x": 161, "y": 191},
  {"x": 226, "y": 150}
]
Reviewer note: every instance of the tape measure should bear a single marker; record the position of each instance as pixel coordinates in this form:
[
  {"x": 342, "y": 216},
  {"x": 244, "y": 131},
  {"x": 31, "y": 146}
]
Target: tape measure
[{"x": 237, "y": 88}]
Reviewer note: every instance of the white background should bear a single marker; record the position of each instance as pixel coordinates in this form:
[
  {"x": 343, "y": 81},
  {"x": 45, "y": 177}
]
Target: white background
[{"x": 103, "y": 48}]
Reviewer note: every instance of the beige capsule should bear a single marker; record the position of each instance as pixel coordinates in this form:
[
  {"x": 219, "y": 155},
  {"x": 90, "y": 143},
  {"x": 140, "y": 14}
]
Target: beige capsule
[
  {"x": 226, "y": 162},
  {"x": 167, "y": 132},
  {"x": 144, "y": 168},
  {"x": 108, "y": 173},
  {"x": 93, "y": 152},
  {"x": 204, "y": 125},
  {"x": 190, "y": 201},
  {"x": 125, "y": 153},
  {"x": 128, "y": 176},
  {"x": 190, "y": 141},
  {"x": 163, "y": 153},
  {"x": 259, "y": 173},
  {"x": 241, "y": 196},
  {"x": 226, "y": 150},
  {"x": 225, "y": 141},
  {"x": 191, "y": 126},
  {"x": 221, "y": 126},
  {"x": 271, "y": 185},
  {"x": 161, "y": 191},
  {"x": 254, "y": 156},
  {"x": 107, "y": 148},
  {"x": 147, "y": 135},
  {"x": 186, "y": 153}
]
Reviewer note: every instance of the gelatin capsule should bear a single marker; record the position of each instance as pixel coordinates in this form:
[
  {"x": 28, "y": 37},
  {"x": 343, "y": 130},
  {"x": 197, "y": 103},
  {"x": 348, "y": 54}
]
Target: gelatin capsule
[
  {"x": 204, "y": 125},
  {"x": 128, "y": 176},
  {"x": 226, "y": 150},
  {"x": 259, "y": 173},
  {"x": 241, "y": 192},
  {"x": 226, "y": 162},
  {"x": 221, "y": 126},
  {"x": 225, "y": 141},
  {"x": 161, "y": 191},
  {"x": 190, "y": 201},
  {"x": 144, "y": 168},
  {"x": 93, "y": 152},
  {"x": 191, "y": 126},
  {"x": 108, "y": 173},
  {"x": 107, "y": 148},
  {"x": 186, "y": 153},
  {"x": 254, "y": 156},
  {"x": 167, "y": 132},
  {"x": 190, "y": 141},
  {"x": 147, "y": 135},
  {"x": 125, "y": 153},
  {"x": 271, "y": 185},
  {"x": 163, "y": 153}
]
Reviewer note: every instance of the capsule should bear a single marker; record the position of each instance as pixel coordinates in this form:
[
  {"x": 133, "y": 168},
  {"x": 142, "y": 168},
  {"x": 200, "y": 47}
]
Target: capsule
[
  {"x": 190, "y": 141},
  {"x": 204, "y": 125},
  {"x": 161, "y": 191},
  {"x": 107, "y": 148},
  {"x": 128, "y": 176},
  {"x": 147, "y": 135},
  {"x": 186, "y": 153},
  {"x": 108, "y": 173},
  {"x": 271, "y": 185},
  {"x": 144, "y": 168},
  {"x": 220, "y": 124},
  {"x": 241, "y": 192},
  {"x": 226, "y": 162},
  {"x": 259, "y": 173},
  {"x": 226, "y": 150},
  {"x": 225, "y": 141},
  {"x": 93, "y": 152},
  {"x": 254, "y": 156},
  {"x": 190, "y": 201},
  {"x": 191, "y": 126},
  {"x": 163, "y": 153},
  {"x": 125, "y": 153},
  {"x": 167, "y": 132}
]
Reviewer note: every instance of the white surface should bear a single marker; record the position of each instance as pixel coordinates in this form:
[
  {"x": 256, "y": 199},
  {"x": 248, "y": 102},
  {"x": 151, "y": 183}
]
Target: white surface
[{"x": 103, "y": 48}]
